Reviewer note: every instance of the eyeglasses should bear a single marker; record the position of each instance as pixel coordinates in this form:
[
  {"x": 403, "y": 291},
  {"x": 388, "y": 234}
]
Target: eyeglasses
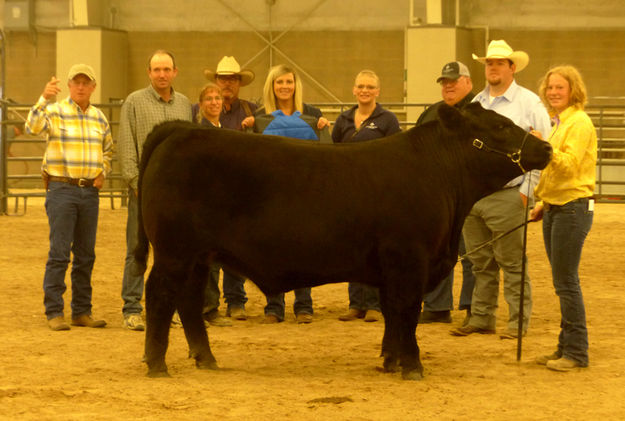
[{"x": 363, "y": 87}]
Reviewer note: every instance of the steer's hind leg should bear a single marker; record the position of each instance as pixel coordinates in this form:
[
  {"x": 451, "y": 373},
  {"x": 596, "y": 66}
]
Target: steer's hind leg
[
  {"x": 412, "y": 369},
  {"x": 190, "y": 301},
  {"x": 390, "y": 341},
  {"x": 159, "y": 309}
]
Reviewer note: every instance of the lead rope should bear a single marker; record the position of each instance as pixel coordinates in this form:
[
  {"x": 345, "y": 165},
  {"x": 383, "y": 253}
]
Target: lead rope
[{"x": 523, "y": 263}]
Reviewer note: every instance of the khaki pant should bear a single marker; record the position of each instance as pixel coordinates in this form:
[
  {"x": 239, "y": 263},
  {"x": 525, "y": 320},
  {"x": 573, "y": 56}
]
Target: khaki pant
[{"x": 490, "y": 217}]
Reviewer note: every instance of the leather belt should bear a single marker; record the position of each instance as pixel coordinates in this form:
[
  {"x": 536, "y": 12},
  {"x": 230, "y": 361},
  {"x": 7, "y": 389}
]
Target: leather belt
[
  {"x": 549, "y": 206},
  {"x": 80, "y": 182}
]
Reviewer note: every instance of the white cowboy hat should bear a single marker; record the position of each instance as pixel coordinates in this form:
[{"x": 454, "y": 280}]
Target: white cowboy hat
[
  {"x": 499, "y": 48},
  {"x": 229, "y": 66}
]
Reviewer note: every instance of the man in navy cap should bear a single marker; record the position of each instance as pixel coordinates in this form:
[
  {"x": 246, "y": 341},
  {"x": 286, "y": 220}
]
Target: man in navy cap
[{"x": 456, "y": 86}]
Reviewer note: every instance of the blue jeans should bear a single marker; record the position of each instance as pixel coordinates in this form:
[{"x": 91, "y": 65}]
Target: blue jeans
[
  {"x": 302, "y": 303},
  {"x": 363, "y": 297},
  {"x": 564, "y": 230},
  {"x": 234, "y": 292},
  {"x": 73, "y": 219},
  {"x": 441, "y": 298},
  {"x": 132, "y": 284}
]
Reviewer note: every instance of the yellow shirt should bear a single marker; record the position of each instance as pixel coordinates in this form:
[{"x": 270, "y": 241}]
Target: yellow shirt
[{"x": 571, "y": 173}]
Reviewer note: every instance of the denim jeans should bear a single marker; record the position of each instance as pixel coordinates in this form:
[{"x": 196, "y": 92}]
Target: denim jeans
[
  {"x": 302, "y": 303},
  {"x": 441, "y": 298},
  {"x": 73, "y": 219},
  {"x": 363, "y": 297},
  {"x": 564, "y": 230},
  {"x": 234, "y": 292},
  {"x": 132, "y": 284},
  {"x": 211, "y": 292}
]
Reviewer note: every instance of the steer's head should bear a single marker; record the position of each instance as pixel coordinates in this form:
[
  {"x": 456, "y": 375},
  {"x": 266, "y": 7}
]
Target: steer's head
[{"x": 504, "y": 149}]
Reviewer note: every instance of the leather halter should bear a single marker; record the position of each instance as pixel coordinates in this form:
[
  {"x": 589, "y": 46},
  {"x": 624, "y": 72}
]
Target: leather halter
[{"x": 514, "y": 156}]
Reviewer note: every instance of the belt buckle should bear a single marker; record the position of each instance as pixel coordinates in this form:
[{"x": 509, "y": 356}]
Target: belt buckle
[{"x": 82, "y": 182}]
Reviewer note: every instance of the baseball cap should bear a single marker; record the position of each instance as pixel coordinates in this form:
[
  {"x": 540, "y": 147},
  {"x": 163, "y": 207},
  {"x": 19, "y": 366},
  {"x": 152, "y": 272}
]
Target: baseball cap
[
  {"x": 453, "y": 71},
  {"x": 81, "y": 69}
]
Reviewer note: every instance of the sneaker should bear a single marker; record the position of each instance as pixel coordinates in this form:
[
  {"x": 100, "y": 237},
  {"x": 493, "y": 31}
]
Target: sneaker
[
  {"x": 352, "y": 314},
  {"x": 469, "y": 329},
  {"x": 134, "y": 321},
  {"x": 237, "y": 313},
  {"x": 435, "y": 316},
  {"x": 216, "y": 319},
  {"x": 544, "y": 359},
  {"x": 304, "y": 318},
  {"x": 58, "y": 323},
  {"x": 373, "y": 316},
  {"x": 86, "y": 320},
  {"x": 562, "y": 364},
  {"x": 270, "y": 319}
]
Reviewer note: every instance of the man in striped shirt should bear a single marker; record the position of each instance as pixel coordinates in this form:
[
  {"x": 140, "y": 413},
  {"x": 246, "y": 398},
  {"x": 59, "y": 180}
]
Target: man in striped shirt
[
  {"x": 77, "y": 159},
  {"x": 142, "y": 110}
]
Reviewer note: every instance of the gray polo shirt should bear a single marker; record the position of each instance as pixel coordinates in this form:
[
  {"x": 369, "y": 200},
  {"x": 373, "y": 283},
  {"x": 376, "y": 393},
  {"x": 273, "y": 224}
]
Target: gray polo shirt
[{"x": 142, "y": 110}]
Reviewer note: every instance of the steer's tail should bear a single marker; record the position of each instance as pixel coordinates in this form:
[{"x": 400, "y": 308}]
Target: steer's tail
[{"x": 157, "y": 136}]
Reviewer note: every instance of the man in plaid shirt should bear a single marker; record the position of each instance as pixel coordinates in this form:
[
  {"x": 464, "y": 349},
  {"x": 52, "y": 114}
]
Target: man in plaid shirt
[{"x": 77, "y": 159}]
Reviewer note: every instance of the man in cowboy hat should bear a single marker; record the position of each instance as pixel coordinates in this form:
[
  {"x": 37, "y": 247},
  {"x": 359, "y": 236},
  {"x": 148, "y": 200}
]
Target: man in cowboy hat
[
  {"x": 237, "y": 113},
  {"x": 456, "y": 90},
  {"x": 504, "y": 209}
]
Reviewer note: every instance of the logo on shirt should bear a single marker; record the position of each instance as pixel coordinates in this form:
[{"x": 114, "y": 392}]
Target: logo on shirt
[{"x": 371, "y": 126}]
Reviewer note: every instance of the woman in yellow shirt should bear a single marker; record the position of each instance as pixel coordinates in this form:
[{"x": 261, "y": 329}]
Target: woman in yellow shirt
[{"x": 565, "y": 189}]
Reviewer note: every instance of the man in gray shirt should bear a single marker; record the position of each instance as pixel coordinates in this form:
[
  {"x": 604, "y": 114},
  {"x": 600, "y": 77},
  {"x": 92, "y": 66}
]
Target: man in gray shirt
[{"x": 142, "y": 110}]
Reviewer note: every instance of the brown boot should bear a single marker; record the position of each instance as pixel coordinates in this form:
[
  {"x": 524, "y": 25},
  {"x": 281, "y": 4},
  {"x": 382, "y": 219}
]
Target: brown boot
[
  {"x": 87, "y": 321},
  {"x": 352, "y": 314},
  {"x": 373, "y": 316},
  {"x": 58, "y": 323}
]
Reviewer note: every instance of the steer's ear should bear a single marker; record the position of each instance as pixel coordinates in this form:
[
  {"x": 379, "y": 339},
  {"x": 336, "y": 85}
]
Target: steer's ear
[{"x": 450, "y": 117}]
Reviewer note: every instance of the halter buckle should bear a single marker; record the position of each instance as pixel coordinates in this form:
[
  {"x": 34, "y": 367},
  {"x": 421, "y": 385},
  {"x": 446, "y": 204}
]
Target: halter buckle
[{"x": 478, "y": 143}]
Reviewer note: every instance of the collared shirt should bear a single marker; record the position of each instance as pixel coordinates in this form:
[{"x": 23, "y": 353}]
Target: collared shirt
[
  {"x": 525, "y": 109},
  {"x": 142, "y": 110},
  {"x": 231, "y": 119},
  {"x": 572, "y": 171},
  {"x": 79, "y": 144}
]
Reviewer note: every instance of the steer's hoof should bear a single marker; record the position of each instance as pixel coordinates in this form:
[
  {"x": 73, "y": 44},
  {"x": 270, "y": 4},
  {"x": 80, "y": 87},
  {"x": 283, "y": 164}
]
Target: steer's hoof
[
  {"x": 158, "y": 373},
  {"x": 206, "y": 365},
  {"x": 412, "y": 375}
]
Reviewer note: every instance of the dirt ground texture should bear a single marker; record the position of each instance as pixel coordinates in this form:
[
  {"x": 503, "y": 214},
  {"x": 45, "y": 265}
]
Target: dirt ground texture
[{"x": 325, "y": 370}]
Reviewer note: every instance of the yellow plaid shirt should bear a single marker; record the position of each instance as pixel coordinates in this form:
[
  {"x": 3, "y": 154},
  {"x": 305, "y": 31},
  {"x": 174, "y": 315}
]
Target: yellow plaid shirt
[{"x": 79, "y": 144}]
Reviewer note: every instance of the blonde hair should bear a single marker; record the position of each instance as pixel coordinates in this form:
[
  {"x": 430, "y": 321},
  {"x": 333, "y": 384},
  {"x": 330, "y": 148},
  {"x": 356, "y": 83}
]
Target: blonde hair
[
  {"x": 369, "y": 73},
  {"x": 210, "y": 86},
  {"x": 269, "y": 97},
  {"x": 577, "y": 97}
]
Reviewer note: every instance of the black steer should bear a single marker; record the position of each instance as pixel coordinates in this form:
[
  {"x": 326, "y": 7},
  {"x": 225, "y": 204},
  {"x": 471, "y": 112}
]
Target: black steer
[{"x": 290, "y": 214}]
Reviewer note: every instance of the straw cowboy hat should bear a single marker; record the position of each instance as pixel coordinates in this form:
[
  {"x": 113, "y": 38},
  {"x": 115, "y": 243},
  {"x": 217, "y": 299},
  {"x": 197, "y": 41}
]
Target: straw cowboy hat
[
  {"x": 229, "y": 66},
  {"x": 499, "y": 48}
]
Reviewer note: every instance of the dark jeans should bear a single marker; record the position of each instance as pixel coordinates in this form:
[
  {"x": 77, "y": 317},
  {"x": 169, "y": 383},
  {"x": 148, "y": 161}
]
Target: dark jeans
[
  {"x": 441, "y": 298},
  {"x": 132, "y": 284},
  {"x": 564, "y": 230},
  {"x": 234, "y": 292},
  {"x": 73, "y": 219},
  {"x": 363, "y": 297},
  {"x": 302, "y": 303}
]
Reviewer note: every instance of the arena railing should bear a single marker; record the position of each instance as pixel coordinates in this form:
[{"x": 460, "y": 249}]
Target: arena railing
[{"x": 21, "y": 154}]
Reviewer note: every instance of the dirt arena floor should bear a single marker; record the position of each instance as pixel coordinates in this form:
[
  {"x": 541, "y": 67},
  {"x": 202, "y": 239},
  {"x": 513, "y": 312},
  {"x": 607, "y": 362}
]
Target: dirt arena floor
[{"x": 322, "y": 371}]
